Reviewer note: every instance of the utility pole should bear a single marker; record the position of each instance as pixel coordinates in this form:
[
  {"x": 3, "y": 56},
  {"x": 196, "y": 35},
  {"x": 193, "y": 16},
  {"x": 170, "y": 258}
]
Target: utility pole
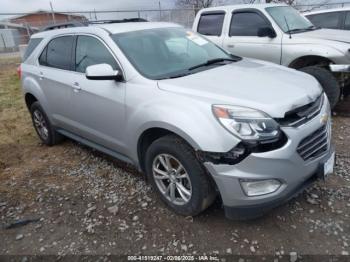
[
  {"x": 95, "y": 14},
  {"x": 52, "y": 13},
  {"x": 160, "y": 12}
]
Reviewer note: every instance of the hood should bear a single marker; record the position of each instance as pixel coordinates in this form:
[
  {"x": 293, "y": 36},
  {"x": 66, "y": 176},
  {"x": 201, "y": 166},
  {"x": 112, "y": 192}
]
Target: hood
[
  {"x": 272, "y": 89},
  {"x": 327, "y": 34}
]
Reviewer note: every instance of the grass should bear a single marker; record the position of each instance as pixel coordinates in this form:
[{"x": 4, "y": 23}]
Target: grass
[{"x": 15, "y": 123}]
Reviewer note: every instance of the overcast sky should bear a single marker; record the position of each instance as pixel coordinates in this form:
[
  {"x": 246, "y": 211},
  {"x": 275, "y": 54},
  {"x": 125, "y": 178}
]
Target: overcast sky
[{"x": 13, "y": 6}]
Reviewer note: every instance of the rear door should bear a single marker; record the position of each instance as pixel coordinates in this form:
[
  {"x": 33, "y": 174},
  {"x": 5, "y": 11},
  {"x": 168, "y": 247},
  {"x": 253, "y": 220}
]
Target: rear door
[
  {"x": 99, "y": 112},
  {"x": 243, "y": 39},
  {"x": 211, "y": 24},
  {"x": 56, "y": 77}
]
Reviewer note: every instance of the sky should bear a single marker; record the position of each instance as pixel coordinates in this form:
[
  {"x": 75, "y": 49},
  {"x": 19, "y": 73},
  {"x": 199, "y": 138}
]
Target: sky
[{"x": 18, "y": 6}]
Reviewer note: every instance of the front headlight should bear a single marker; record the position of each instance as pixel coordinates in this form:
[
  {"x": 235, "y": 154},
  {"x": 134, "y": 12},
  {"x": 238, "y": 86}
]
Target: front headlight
[{"x": 246, "y": 123}]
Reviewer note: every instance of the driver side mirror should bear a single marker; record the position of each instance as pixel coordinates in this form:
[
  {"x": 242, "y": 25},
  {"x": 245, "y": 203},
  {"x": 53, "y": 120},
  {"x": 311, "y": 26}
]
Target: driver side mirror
[
  {"x": 102, "y": 72},
  {"x": 266, "y": 32}
]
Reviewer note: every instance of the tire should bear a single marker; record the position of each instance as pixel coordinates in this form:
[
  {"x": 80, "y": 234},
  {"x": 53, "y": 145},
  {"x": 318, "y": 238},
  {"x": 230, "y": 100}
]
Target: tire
[
  {"x": 202, "y": 190},
  {"x": 327, "y": 81},
  {"x": 49, "y": 137}
]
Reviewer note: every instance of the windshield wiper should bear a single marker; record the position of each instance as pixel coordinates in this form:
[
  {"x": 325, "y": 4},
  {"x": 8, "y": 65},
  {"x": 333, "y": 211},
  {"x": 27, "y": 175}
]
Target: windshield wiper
[
  {"x": 211, "y": 62},
  {"x": 312, "y": 27}
]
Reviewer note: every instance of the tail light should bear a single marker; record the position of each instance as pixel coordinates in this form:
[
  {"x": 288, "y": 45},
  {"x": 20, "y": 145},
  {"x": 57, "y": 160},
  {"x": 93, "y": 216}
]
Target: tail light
[{"x": 19, "y": 71}]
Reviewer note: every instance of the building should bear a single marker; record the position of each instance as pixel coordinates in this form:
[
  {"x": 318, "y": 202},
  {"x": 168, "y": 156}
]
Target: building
[
  {"x": 21, "y": 33},
  {"x": 41, "y": 18}
]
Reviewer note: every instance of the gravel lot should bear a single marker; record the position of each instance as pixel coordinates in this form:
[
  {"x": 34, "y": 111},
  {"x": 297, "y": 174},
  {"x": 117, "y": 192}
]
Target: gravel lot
[{"x": 79, "y": 201}]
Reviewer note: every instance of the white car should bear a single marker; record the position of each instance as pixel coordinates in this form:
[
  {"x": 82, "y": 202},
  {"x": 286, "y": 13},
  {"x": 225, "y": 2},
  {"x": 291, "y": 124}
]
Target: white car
[{"x": 280, "y": 34}]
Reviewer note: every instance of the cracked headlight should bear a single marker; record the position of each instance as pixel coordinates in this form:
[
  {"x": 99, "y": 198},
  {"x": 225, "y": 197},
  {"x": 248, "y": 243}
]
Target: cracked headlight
[{"x": 247, "y": 123}]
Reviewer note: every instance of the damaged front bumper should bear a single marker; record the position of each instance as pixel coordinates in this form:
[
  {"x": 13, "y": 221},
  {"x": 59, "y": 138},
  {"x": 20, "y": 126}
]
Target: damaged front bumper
[{"x": 295, "y": 165}]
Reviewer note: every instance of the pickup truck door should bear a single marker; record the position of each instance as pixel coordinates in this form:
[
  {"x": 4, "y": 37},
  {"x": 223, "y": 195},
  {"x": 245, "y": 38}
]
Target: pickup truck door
[
  {"x": 210, "y": 24},
  {"x": 242, "y": 36}
]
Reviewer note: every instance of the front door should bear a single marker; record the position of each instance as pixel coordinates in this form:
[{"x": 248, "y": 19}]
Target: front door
[
  {"x": 99, "y": 113},
  {"x": 243, "y": 39}
]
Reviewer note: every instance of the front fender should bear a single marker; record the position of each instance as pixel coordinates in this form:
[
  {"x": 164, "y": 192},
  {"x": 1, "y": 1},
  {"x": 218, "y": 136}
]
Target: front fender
[
  {"x": 188, "y": 118},
  {"x": 292, "y": 52}
]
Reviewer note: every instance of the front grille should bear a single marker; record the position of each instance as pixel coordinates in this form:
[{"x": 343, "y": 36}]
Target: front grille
[
  {"x": 301, "y": 115},
  {"x": 315, "y": 144}
]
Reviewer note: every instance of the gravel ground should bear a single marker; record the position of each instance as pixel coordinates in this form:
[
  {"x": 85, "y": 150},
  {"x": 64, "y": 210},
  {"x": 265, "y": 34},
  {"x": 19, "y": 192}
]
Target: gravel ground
[{"x": 69, "y": 199}]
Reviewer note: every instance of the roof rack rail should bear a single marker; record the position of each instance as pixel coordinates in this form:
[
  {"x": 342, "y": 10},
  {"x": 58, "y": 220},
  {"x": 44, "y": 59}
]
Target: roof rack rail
[
  {"x": 79, "y": 24},
  {"x": 126, "y": 20},
  {"x": 64, "y": 25}
]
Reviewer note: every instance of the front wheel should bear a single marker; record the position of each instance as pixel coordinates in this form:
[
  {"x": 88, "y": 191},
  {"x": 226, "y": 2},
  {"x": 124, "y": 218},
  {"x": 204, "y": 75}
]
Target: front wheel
[
  {"x": 328, "y": 82},
  {"x": 178, "y": 176}
]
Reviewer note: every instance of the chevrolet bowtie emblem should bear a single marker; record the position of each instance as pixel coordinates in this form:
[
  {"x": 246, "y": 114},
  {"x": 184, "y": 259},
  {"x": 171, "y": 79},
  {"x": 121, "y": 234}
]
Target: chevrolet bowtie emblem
[{"x": 324, "y": 119}]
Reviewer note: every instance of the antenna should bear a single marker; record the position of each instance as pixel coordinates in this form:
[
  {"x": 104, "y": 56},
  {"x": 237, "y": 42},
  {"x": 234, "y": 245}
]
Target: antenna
[{"x": 290, "y": 34}]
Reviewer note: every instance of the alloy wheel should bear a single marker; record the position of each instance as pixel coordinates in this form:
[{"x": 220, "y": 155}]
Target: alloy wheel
[
  {"x": 172, "y": 179},
  {"x": 40, "y": 124}
]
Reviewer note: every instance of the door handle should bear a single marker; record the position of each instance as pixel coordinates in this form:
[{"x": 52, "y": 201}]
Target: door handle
[
  {"x": 230, "y": 46},
  {"x": 76, "y": 87},
  {"x": 41, "y": 75}
]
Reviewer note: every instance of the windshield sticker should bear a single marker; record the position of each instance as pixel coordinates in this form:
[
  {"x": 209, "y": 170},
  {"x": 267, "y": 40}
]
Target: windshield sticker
[{"x": 196, "y": 39}]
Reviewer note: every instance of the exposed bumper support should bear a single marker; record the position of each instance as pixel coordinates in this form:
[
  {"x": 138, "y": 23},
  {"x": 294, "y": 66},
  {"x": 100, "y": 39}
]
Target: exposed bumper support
[{"x": 340, "y": 68}]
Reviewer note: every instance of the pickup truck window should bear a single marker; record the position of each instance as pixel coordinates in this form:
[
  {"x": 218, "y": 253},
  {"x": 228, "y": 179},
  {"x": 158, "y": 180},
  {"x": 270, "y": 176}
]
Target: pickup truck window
[
  {"x": 289, "y": 19},
  {"x": 246, "y": 24},
  {"x": 326, "y": 20},
  {"x": 211, "y": 23},
  {"x": 347, "y": 21},
  {"x": 169, "y": 52}
]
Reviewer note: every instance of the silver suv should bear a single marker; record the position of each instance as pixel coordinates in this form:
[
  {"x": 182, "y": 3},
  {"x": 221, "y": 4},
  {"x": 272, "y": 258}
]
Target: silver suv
[{"x": 198, "y": 121}]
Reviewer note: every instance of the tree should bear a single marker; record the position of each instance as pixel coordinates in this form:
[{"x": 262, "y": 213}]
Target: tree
[
  {"x": 288, "y": 2},
  {"x": 196, "y": 4}
]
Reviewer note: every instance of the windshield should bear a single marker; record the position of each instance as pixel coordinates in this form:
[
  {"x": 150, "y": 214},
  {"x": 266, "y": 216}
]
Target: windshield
[
  {"x": 170, "y": 52},
  {"x": 289, "y": 19}
]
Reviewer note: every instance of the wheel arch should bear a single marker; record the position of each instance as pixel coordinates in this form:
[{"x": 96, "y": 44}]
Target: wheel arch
[
  {"x": 149, "y": 135},
  {"x": 310, "y": 60},
  {"x": 30, "y": 99}
]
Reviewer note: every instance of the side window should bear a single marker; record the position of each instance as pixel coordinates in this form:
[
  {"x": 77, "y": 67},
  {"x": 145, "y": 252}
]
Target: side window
[
  {"x": 42, "y": 58},
  {"x": 59, "y": 52},
  {"x": 90, "y": 51},
  {"x": 211, "y": 24},
  {"x": 347, "y": 21},
  {"x": 246, "y": 24},
  {"x": 326, "y": 20},
  {"x": 33, "y": 43}
]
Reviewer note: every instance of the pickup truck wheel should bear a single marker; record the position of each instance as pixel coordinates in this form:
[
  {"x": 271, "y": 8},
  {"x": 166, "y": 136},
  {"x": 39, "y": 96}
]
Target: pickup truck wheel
[
  {"x": 43, "y": 127},
  {"x": 178, "y": 176},
  {"x": 327, "y": 81}
]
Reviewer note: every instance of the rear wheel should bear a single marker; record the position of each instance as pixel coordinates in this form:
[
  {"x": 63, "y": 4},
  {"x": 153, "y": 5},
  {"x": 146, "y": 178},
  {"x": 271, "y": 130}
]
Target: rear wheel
[
  {"x": 178, "y": 176},
  {"x": 43, "y": 127},
  {"x": 328, "y": 82}
]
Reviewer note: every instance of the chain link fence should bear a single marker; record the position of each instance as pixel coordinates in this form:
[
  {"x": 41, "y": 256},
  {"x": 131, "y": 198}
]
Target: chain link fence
[{"x": 16, "y": 28}]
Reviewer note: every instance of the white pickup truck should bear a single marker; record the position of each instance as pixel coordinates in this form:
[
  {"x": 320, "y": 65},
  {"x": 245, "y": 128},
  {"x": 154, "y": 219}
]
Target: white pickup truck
[{"x": 280, "y": 34}]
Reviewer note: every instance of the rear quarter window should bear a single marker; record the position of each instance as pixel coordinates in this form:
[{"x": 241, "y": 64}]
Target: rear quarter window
[
  {"x": 33, "y": 43},
  {"x": 211, "y": 23}
]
